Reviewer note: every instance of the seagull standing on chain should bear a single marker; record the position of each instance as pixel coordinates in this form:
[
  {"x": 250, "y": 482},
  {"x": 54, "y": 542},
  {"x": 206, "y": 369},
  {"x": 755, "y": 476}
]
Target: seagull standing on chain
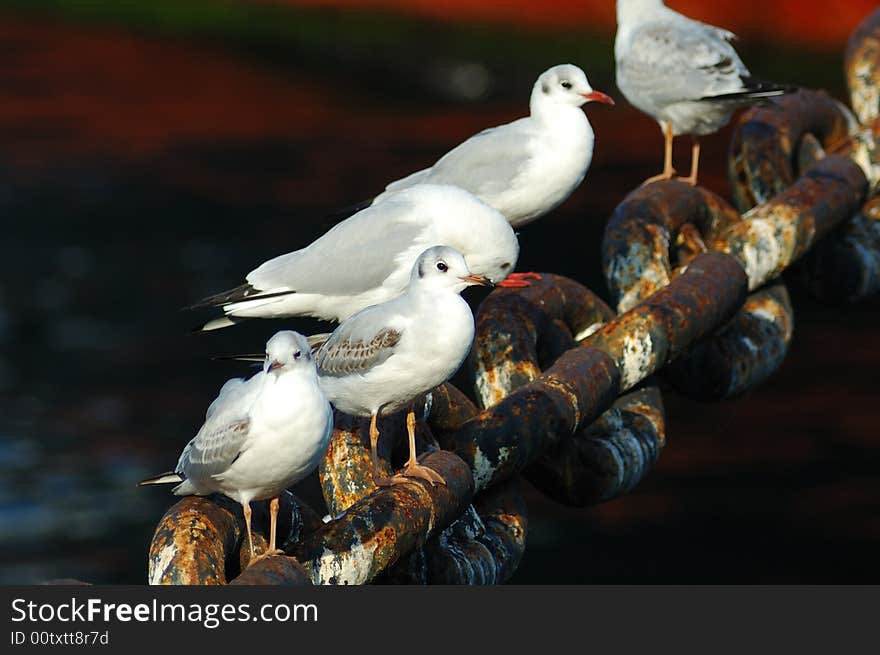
[
  {"x": 385, "y": 356},
  {"x": 530, "y": 166},
  {"x": 682, "y": 73},
  {"x": 367, "y": 258},
  {"x": 260, "y": 435}
]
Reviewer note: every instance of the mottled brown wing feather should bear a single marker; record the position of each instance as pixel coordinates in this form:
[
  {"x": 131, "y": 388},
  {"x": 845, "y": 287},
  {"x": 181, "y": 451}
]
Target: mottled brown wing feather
[{"x": 344, "y": 355}]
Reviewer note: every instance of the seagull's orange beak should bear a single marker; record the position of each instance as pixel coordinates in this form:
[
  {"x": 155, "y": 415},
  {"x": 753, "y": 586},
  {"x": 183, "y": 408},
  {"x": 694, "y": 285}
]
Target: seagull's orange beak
[
  {"x": 482, "y": 280},
  {"x": 598, "y": 96},
  {"x": 274, "y": 365}
]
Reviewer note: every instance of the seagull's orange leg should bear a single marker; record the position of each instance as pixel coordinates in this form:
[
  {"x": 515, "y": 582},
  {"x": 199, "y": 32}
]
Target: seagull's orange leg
[
  {"x": 246, "y": 509},
  {"x": 274, "y": 503},
  {"x": 273, "y": 526},
  {"x": 413, "y": 469},
  {"x": 695, "y": 163},
  {"x": 668, "y": 171},
  {"x": 378, "y": 478}
]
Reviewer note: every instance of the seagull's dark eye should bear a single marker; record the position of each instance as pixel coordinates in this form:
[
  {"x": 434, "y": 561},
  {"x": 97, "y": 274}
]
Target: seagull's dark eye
[
  {"x": 442, "y": 267},
  {"x": 505, "y": 266},
  {"x": 297, "y": 354},
  {"x": 566, "y": 84}
]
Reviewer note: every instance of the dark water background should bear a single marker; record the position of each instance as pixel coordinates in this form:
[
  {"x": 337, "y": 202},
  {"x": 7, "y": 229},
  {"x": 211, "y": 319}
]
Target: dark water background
[{"x": 145, "y": 164}]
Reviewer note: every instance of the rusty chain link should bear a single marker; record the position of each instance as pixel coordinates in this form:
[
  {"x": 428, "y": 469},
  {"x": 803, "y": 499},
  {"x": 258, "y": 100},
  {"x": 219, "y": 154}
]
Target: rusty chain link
[{"x": 565, "y": 385}]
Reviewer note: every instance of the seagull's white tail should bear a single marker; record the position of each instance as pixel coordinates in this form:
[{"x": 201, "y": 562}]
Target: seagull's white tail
[{"x": 163, "y": 478}]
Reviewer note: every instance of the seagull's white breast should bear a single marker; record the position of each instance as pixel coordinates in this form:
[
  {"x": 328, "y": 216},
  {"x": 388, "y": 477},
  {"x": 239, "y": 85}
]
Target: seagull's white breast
[{"x": 291, "y": 422}]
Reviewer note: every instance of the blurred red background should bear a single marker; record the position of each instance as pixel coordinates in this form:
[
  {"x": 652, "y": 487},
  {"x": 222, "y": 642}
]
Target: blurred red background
[{"x": 814, "y": 22}]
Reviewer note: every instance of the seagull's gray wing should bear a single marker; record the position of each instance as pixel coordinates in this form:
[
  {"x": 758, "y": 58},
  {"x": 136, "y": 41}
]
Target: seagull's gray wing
[
  {"x": 234, "y": 387},
  {"x": 410, "y": 180},
  {"x": 673, "y": 61},
  {"x": 486, "y": 163},
  {"x": 212, "y": 451},
  {"x": 356, "y": 255},
  {"x": 224, "y": 433},
  {"x": 358, "y": 345}
]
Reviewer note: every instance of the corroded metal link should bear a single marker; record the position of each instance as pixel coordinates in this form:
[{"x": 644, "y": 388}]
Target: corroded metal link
[
  {"x": 740, "y": 355},
  {"x": 584, "y": 382},
  {"x": 276, "y": 570},
  {"x": 485, "y": 545},
  {"x": 637, "y": 258},
  {"x": 482, "y": 546},
  {"x": 512, "y": 326},
  {"x": 346, "y": 476},
  {"x": 779, "y": 231},
  {"x": 862, "y": 64},
  {"x": 611, "y": 455},
  {"x": 504, "y": 515},
  {"x": 192, "y": 544},
  {"x": 448, "y": 408},
  {"x": 346, "y": 470},
  {"x": 642, "y": 230},
  {"x": 199, "y": 540},
  {"x": 846, "y": 266},
  {"x": 607, "y": 458},
  {"x": 657, "y": 330},
  {"x": 374, "y": 532},
  {"x": 766, "y": 145}
]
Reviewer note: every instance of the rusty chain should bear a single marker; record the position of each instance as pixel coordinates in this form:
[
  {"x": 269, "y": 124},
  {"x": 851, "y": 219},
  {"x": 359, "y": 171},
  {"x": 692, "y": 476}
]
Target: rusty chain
[{"x": 565, "y": 386}]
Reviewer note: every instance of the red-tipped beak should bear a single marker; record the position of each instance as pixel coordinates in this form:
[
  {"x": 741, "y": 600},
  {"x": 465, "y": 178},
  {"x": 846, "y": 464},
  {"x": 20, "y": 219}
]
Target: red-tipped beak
[
  {"x": 275, "y": 365},
  {"x": 598, "y": 96},
  {"x": 482, "y": 280}
]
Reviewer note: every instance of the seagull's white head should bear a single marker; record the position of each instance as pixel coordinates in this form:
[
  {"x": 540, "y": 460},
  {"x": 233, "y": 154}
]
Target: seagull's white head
[
  {"x": 285, "y": 351},
  {"x": 565, "y": 84},
  {"x": 442, "y": 267}
]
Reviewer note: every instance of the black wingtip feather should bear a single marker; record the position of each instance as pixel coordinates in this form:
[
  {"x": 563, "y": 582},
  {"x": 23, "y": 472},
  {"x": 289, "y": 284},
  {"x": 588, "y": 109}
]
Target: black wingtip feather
[
  {"x": 223, "y": 298},
  {"x": 244, "y": 357},
  {"x": 754, "y": 90}
]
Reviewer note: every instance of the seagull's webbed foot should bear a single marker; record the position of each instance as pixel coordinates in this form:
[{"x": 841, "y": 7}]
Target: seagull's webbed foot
[
  {"x": 517, "y": 280},
  {"x": 420, "y": 471},
  {"x": 264, "y": 555},
  {"x": 662, "y": 177}
]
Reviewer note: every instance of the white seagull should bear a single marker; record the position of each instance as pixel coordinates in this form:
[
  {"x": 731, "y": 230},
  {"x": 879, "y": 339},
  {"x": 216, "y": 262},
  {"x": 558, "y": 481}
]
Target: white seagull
[
  {"x": 526, "y": 168},
  {"x": 682, "y": 73},
  {"x": 260, "y": 435},
  {"x": 367, "y": 258},
  {"x": 385, "y": 356}
]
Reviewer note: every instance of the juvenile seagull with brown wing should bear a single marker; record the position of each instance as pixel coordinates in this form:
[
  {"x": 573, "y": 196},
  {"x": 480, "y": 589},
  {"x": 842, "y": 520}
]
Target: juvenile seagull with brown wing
[{"x": 385, "y": 356}]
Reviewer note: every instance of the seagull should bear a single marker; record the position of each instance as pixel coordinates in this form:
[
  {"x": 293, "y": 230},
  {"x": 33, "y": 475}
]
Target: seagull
[
  {"x": 385, "y": 356},
  {"x": 526, "y": 168},
  {"x": 367, "y": 258},
  {"x": 260, "y": 435},
  {"x": 682, "y": 73}
]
